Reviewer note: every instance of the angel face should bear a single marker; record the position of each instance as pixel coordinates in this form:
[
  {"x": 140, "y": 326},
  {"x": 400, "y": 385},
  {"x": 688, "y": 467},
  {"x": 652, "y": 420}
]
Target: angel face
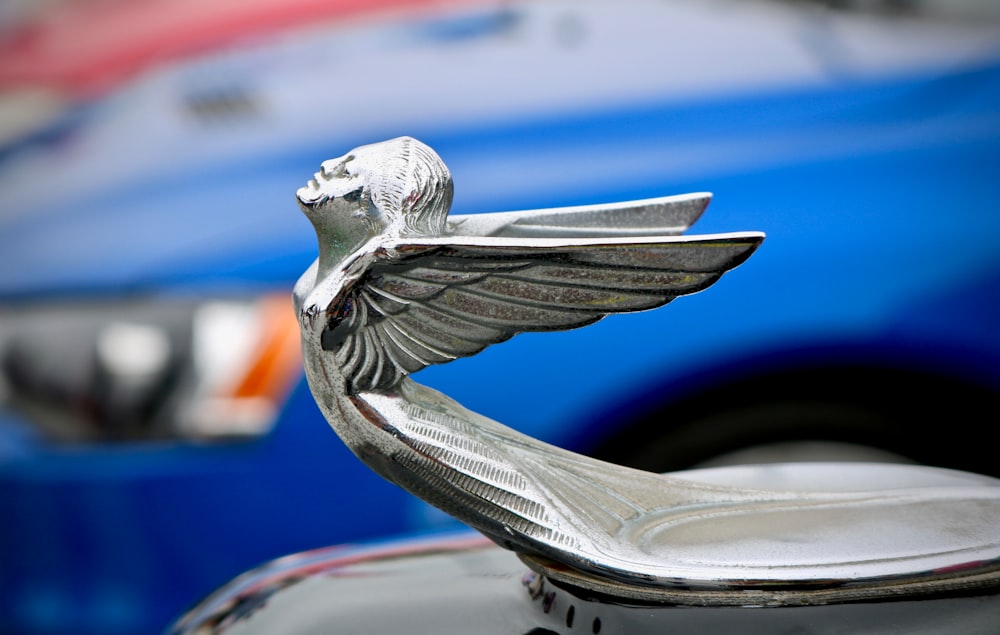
[
  {"x": 338, "y": 187},
  {"x": 394, "y": 188},
  {"x": 337, "y": 200}
]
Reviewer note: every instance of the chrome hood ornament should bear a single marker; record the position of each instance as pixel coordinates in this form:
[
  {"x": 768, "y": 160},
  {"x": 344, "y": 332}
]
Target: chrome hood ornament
[{"x": 400, "y": 285}]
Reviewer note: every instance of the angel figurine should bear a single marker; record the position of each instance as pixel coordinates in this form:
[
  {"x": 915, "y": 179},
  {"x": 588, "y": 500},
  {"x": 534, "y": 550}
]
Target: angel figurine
[{"x": 399, "y": 285}]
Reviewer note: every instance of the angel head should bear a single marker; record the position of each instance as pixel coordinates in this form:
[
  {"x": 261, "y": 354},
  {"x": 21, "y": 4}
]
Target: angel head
[{"x": 400, "y": 187}]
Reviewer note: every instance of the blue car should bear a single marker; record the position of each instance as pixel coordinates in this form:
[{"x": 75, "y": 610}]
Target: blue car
[{"x": 156, "y": 434}]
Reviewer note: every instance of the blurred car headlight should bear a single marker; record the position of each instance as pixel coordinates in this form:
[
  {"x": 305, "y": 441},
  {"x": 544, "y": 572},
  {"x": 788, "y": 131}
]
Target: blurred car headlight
[{"x": 149, "y": 369}]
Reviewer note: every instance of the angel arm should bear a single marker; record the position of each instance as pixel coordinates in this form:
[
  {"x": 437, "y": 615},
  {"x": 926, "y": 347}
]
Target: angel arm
[
  {"x": 430, "y": 301},
  {"x": 319, "y": 303}
]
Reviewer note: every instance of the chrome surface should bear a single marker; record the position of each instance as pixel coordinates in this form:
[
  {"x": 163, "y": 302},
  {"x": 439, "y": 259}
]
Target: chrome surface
[
  {"x": 399, "y": 285},
  {"x": 443, "y": 584}
]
